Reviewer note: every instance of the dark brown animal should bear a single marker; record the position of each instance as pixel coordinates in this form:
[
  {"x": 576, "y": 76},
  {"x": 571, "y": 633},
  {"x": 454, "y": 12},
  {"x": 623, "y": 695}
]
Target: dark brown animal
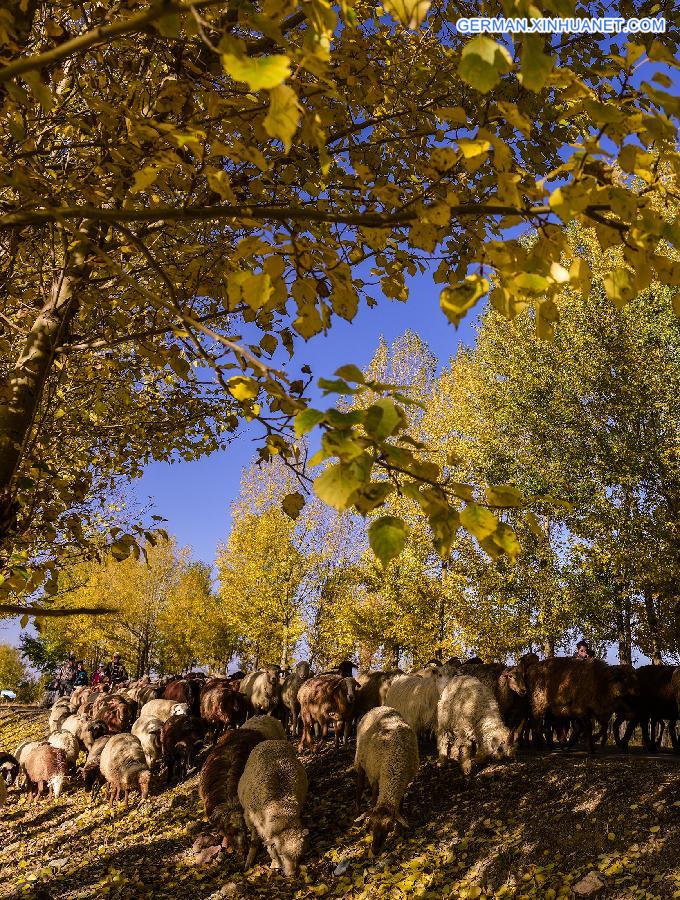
[
  {"x": 656, "y": 704},
  {"x": 578, "y": 691},
  {"x": 325, "y": 699},
  {"x": 184, "y": 691},
  {"x": 372, "y": 690},
  {"x": 223, "y": 707},
  {"x": 218, "y": 784},
  {"x": 181, "y": 741},
  {"x": 45, "y": 766},
  {"x": 116, "y": 711}
]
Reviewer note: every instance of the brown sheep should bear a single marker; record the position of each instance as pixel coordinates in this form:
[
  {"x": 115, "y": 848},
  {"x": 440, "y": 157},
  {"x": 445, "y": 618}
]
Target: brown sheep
[
  {"x": 222, "y": 707},
  {"x": 184, "y": 691},
  {"x": 45, "y": 766},
  {"x": 218, "y": 784},
  {"x": 116, "y": 711},
  {"x": 181, "y": 739},
  {"x": 324, "y": 699},
  {"x": 90, "y": 772},
  {"x": 656, "y": 703},
  {"x": 373, "y": 687},
  {"x": 577, "y": 690}
]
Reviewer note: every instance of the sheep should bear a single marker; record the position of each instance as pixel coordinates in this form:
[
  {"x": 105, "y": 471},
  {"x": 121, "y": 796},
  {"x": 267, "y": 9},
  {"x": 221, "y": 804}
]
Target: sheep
[
  {"x": 67, "y": 742},
  {"x": 324, "y": 699},
  {"x": 272, "y": 791},
  {"x": 22, "y": 753},
  {"x": 181, "y": 739},
  {"x": 218, "y": 783},
  {"x": 289, "y": 695},
  {"x": 74, "y": 724},
  {"x": 468, "y": 717},
  {"x": 45, "y": 766},
  {"x": 148, "y": 730},
  {"x": 184, "y": 691},
  {"x": 163, "y": 709},
  {"x": 142, "y": 693},
  {"x": 373, "y": 687},
  {"x": 222, "y": 707},
  {"x": 90, "y": 772},
  {"x": 509, "y": 688},
  {"x": 9, "y": 768},
  {"x": 580, "y": 690},
  {"x": 124, "y": 767},
  {"x": 657, "y": 701},
  {"x": 270, "y": 728},
  {"x": 415, "y": 698},
  {"x": 92, "y": 731},
  {"x": 262, "y": 688},
  {"x": 58, "y": 714},
  {"x": 116, "y": 710},
  {"x": 386, "y": 756},
  {"x": 80, "y": 696}
]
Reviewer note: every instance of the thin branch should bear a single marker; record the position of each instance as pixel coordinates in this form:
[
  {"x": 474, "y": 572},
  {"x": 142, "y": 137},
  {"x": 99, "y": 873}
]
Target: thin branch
[{"x": 15, "y": 609}]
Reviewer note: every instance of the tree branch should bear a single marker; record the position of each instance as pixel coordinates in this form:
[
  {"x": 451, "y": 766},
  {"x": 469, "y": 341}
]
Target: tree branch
[{"x": 15, "y": 609}]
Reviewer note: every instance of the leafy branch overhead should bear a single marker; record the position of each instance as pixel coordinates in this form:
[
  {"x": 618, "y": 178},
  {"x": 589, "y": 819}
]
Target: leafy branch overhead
[{"x": 191, "y": 189}]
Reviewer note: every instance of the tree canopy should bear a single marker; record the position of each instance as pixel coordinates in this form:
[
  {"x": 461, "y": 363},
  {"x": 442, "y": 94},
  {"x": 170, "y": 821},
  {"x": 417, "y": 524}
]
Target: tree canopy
[{"x": 191, "y": 188}]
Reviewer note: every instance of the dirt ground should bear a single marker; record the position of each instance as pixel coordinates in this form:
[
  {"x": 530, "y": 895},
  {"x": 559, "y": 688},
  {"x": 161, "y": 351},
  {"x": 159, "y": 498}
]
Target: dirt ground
[{"x": 533, "y": 827}]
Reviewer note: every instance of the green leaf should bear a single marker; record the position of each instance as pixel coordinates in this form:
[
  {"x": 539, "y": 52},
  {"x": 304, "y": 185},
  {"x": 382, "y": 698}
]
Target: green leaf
[
  {"x": 246, "y": 287},
  {"x": 387, "y": 537},
  {"x": 283, "y": 117},
  {"x": 260, "y": 72},
  {"x": 383, "y": 419},
  {"x": 504, "y": 495},
  {"x": 478, "y": 521},
  {"x": 374, "y": 495},
  {"x": 336, "y": 485},
  {"x": 409, "y": 12},
  {"x": 292, "y": 504},
  {"x": 536, "y": 66},
  {"x": 306, "y": 420},
  {"x": 350, "y": 373},
  {"x": 483, "y": 62},
  {"x": 505, "y": 538}
]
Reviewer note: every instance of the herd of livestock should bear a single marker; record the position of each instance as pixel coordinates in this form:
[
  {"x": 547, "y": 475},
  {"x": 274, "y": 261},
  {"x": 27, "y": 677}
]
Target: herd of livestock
[{"x": 244, "y": 729}]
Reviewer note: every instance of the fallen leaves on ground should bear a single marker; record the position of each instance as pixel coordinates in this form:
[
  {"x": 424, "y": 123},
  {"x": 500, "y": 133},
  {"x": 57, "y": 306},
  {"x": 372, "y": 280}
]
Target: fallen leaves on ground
[{"x": 533, "y": 828}]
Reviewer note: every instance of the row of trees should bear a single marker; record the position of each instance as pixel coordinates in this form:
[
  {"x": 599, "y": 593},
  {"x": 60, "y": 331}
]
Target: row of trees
[{"x": 584, "y": 426}]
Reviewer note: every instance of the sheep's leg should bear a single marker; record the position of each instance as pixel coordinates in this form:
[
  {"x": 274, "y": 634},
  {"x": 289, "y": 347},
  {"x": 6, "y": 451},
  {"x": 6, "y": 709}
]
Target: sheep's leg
[
  {"x": 254, "y": 847},
  {"x": 306, "y": 738},
  {"x": 616, "y": 731},
  {"x": 127, "y": 798},
  {"x": 465, "y": 758},
  {"x": 442, "y": 748},
  {"x": 324, "y": 734},
  {"x": 673, "y": 732},
  {"x": 588, "y": 728},
  {"x": 361, "y": 784},
  {"x": 375, "y": 790}
]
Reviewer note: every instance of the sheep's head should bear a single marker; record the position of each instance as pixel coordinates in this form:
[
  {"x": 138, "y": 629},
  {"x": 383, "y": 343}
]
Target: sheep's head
[
  {"x": 180, "y": 709},
  {"x": 287, "y": 847},
  {"x": 234, "y": 828},
  {"x": 499, "y": 744},
  {"x": 144, "y": 782},
  {"x": 381, "y": 822},
  {"x": 516, "y": 680}
]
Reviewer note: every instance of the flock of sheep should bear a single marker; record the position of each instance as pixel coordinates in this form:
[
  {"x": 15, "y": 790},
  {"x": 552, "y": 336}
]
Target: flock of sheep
[{"x": 252, "y": 783}]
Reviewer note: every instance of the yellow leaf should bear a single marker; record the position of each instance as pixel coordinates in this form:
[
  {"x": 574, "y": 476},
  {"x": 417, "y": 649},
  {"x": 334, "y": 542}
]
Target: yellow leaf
[
  {"x": 536, "y": 66},
  {"x": 260, "y": 72},
  {"x": 483, "y": 62},
  {"x": 409, "y": 13},
  {"x": 251, "y": 289},
  {"x": 619, "y": 286},
  {"x": 471, "y": 148},
  {"x": 283, "y": 117},
  {"x": 478, "y": 520},
  {"x": 242, "y": 388},
  {"x": 459, "y": 298}
]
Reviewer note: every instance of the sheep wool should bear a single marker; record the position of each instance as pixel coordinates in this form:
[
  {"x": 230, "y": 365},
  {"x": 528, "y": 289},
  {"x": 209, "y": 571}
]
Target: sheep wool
[
  {"x": 386, "y": 756},
  {"x": 272, "y": 791},
  {"x": 467, "y": 717},
  {"x": 269, "y": 727}
]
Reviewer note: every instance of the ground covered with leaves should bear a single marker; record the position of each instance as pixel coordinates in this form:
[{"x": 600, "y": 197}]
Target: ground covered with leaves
[{"x": 532, "y": 828}]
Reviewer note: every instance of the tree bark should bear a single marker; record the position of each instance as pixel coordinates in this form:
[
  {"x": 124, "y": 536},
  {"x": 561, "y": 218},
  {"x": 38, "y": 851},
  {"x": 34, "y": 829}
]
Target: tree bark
[
  {"x": 24, "y": 385},
  {"x": 654, "y": 630}
]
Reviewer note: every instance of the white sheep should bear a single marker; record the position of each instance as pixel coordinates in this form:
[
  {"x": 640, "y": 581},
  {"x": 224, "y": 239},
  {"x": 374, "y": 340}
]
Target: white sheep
[
  {"x": 148, "y": 730},
  {"x": 386, "y": 756},
  {"x": 68, "y": 742},
  {"x": 58, "y": 714},
  {"x": 21, "y": 754},
  {"x": 163, "y": 709},
  {"x": 272, "y": 791},
  {"x": 415, "y": 699},
  {"x": 468, "y": 719},
  {"x": 124, "y": 767},
  {"x": 262, "y": 688},
  {"x": 268, "y": 726}
]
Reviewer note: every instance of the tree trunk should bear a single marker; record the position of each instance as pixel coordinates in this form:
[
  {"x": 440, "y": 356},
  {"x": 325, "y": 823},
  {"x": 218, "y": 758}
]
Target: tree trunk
[
  {"x": 284, "y": 646},
  {"x": 623, "y": 630},
  {"x": 25, "y": 383},
  {"x": 654, "y": 629},
  {"x": 549, "y": 647}
]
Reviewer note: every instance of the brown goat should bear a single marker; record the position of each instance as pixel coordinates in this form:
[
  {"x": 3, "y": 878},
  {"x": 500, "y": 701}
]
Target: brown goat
[
  {"x": 181, "y": 739},
  {"x": 218, "y": 783},
  {"x": 116, "y": 711},
  {"x": 222, "y": 706},
  {"x": 325, "y": 699},
  {"x": 45, "y": 766}
]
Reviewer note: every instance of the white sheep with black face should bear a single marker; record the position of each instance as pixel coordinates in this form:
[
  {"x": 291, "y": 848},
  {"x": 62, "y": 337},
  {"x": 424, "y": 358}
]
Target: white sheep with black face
[
  {"x": 272, "y": 791},
  {"x": 470, "y": 728}
]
